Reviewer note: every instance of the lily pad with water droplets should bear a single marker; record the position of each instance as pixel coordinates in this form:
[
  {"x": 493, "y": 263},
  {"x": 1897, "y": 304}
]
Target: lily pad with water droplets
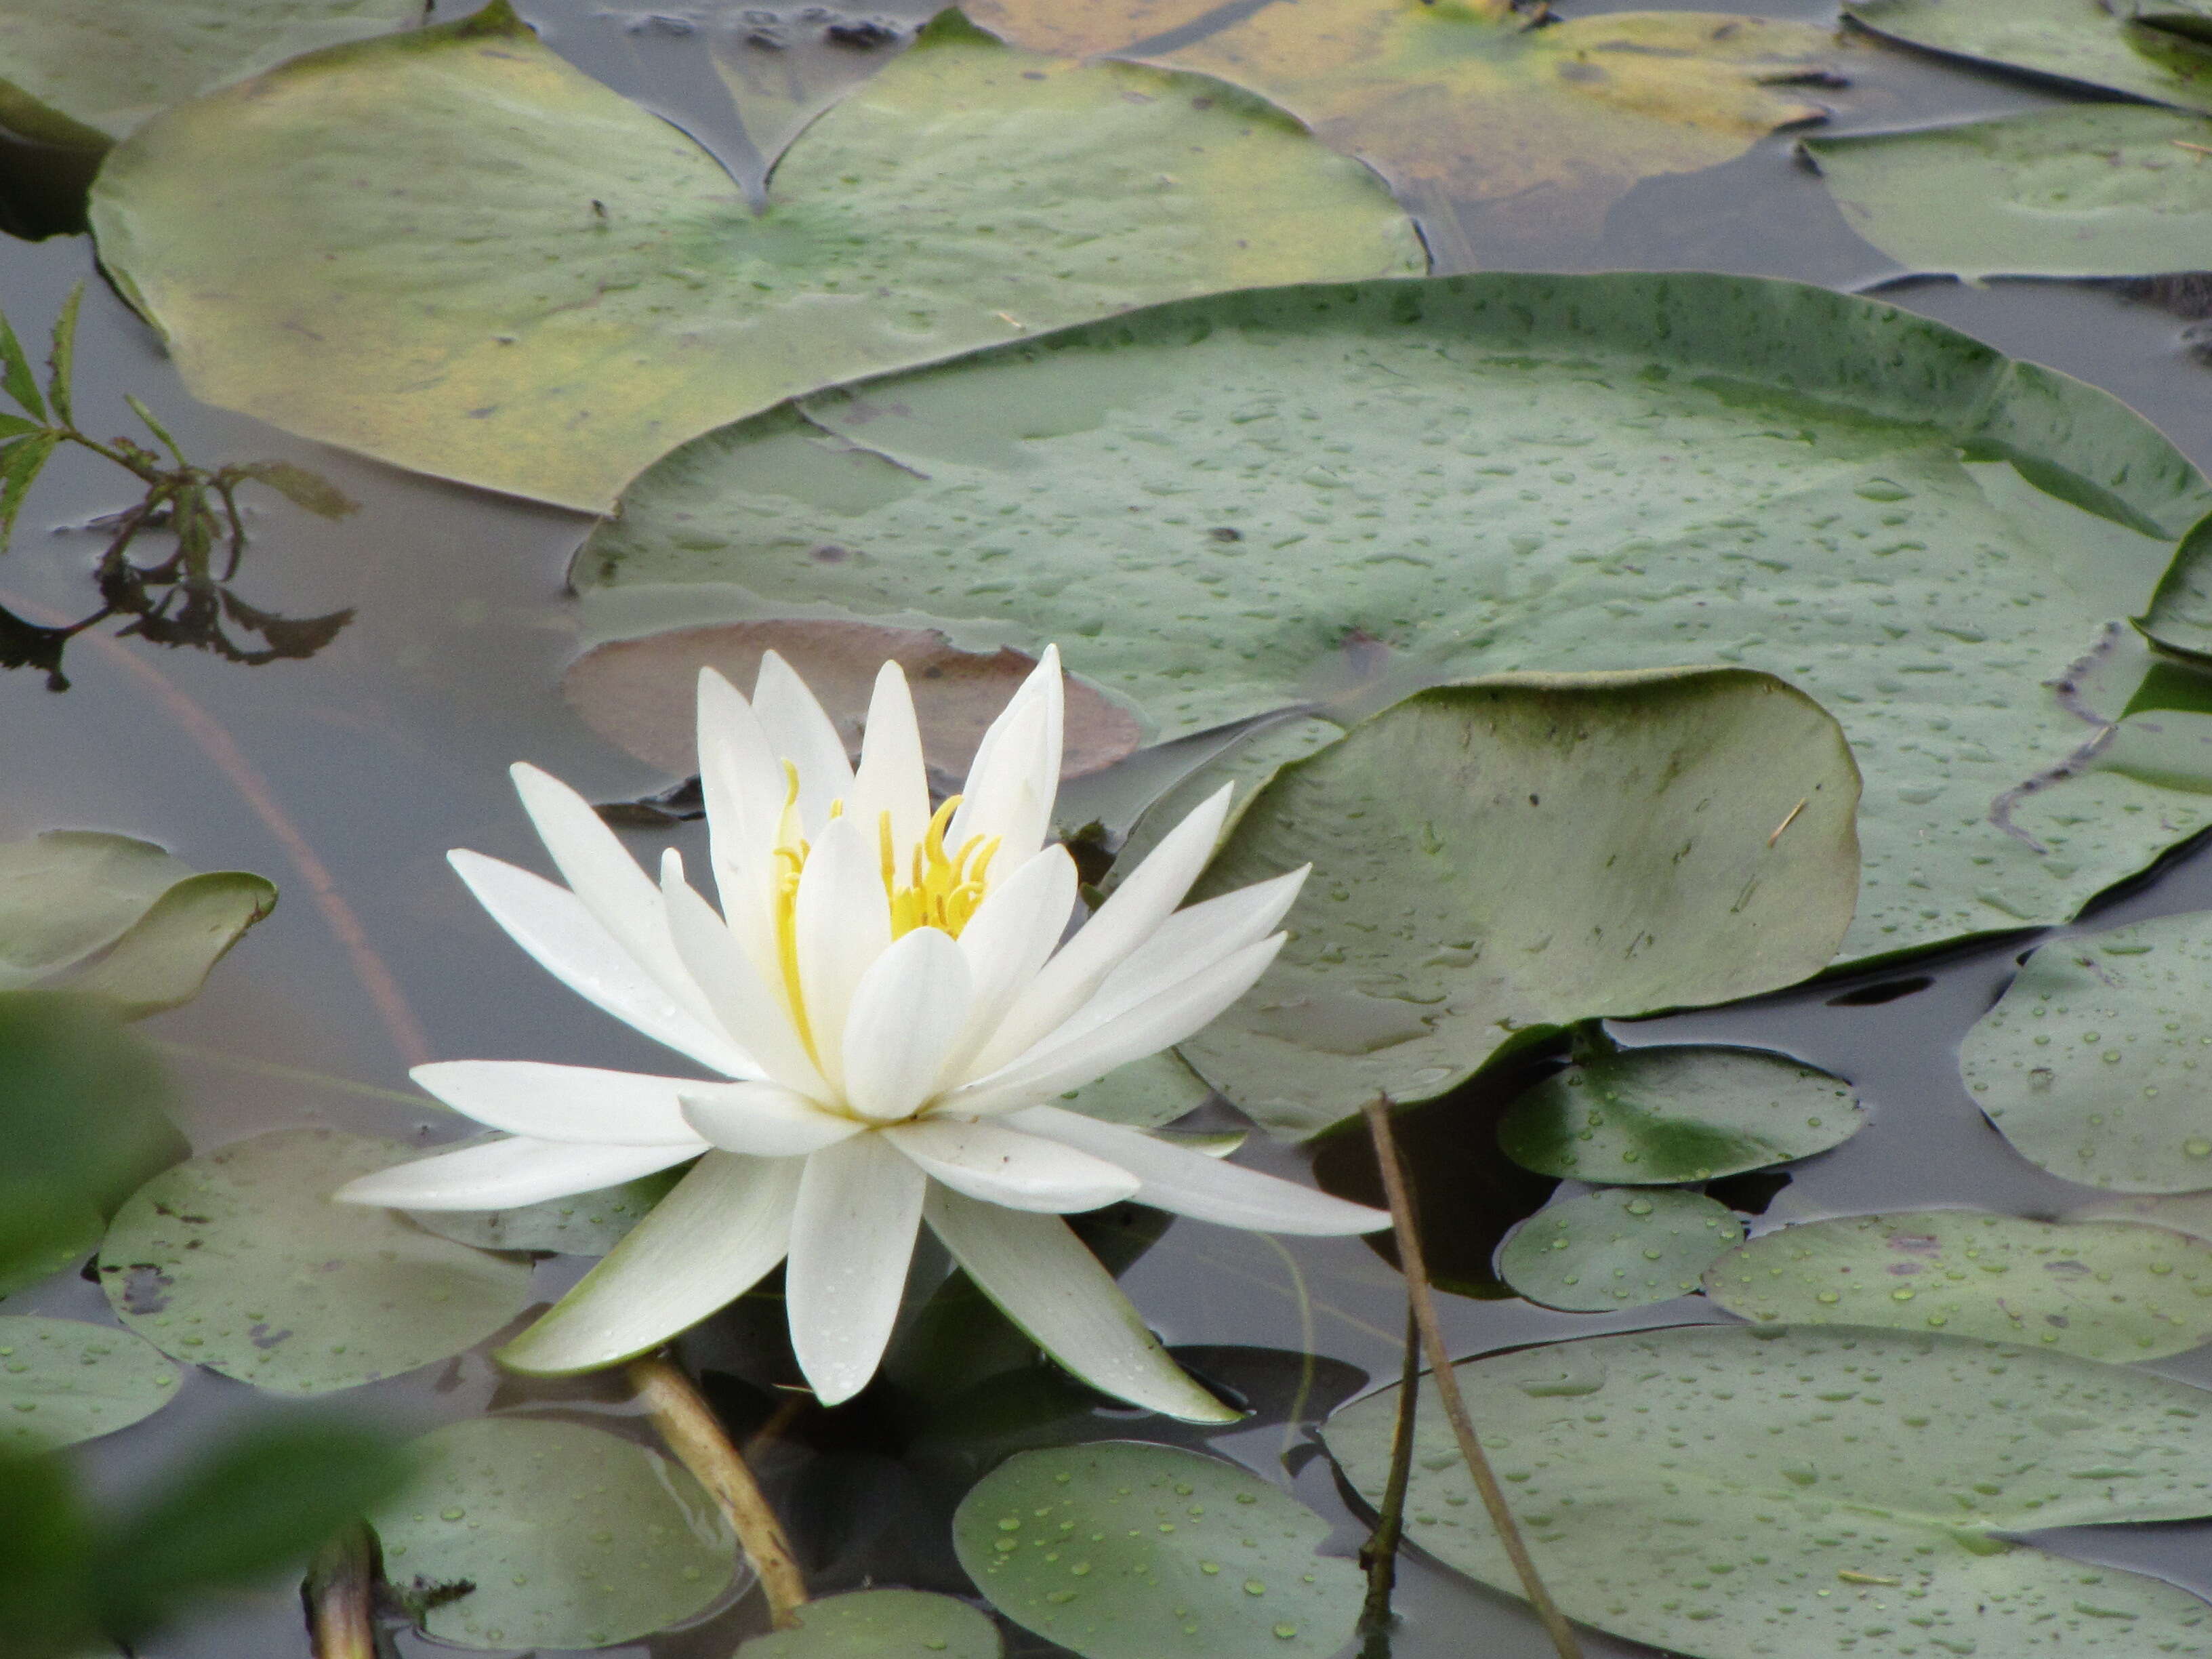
[
  {"x": 239, "y": 1260},
  {"x": 881, "y": 1624},
  {"x": 585, "y": 1224},
  {"x": 1663, "y": 1115},
  {"x": 2140, "y": 47},
  {"x": 2095, "y": 1062},
  {"x": 1841, "y": 1491},
  {"x": 1133, "y": 1550},
  {"x": 2101, "y": 1290},
  {"x": 1621, "y": 1249},
  {"x": 568, "y": 1536},
  {"x": 65, "y": 1379}
]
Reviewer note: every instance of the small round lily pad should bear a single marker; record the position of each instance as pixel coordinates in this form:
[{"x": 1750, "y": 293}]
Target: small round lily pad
[
  {"x": 881, "y": 1624},
  {"x": 1662, "y": 1114},
  {"x": 65, "y": 1379},
  {"x": 2103, "y": 1290},
  {"x": 1618, "y": 1248},
  {"x": 565, "y": 1535},
  {"x": 587, "y": 1223}
]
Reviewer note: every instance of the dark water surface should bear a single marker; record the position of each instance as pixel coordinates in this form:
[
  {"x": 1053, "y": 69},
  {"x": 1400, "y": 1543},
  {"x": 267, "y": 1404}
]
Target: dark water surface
[{"x": 346, "y": 778}]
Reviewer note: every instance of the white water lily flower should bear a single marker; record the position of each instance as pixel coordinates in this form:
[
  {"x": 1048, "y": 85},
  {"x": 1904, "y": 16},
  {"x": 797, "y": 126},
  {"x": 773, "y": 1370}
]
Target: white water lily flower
[{"x": 888, "y": 991}]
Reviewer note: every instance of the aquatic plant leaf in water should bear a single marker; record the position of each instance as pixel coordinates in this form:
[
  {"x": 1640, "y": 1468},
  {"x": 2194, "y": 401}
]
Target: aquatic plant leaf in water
[
  {"x": 1842, "y": 1491},
  {"x": 1498, "y": 857},
  {"x": 586, "y": 1223},
  {"x": 1129, "y": 1550},
  {"x": 1617, "y": 1249},
  {"x": 2101, "y": 1290},
  {"x": 1087, "y": 30},
  {"x": 1145, "y": 1094},
  {"x": 2147, "y": 50},
  {"x": 239, "y": 1260},
  {"x": 2093, "y": 1063},
  {"x": 567, "y": 1535},
  {"x": 65, "y": 1380},
  {"x": 881, "y": 1624},
  {"x": 1537, "y": 129},
  {"x": 1477, "y": 475},
  {"x": 508, "y": 275},
  {"x": 1662, "y": 1114},
  {"x": 2091, "y": 189}
]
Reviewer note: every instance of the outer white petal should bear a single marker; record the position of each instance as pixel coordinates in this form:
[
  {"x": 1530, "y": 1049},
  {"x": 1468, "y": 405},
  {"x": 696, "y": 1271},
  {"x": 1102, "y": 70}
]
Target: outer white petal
[
  {"x": 1139, "y": 906},
  {"x": 706, "y": 1244},
  {"x": 892, "y": 776},
  {"x": 1041, "y": 1277},
  {"x": 1023, "y": 1172},
  {"x": 744, "y": 785},
  {"x": 842, "y": 920},
  {"x": 751, "y": 1011},
  {"x": 852, "y": 1242},
  {"x": 799, "y": 730},
  {"x": 575, "y": 1103},
  {"x": 907, "y": 1011},
  {"x": 762, "y": 1121},
  {"x": 1015, "y": 776},
  {"x": 1157, "y": 1023},
  {"x": 1205, "y": 1188},
  {"x": 568, "y": 942},
  {"x": 1006, "y": 942},
  {"x": 502, "y": 1174}
]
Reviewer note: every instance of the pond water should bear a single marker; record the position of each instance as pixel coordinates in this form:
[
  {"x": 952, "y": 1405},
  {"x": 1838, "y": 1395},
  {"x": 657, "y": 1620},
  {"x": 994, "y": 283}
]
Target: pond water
[{"x": 344, "y": 778}]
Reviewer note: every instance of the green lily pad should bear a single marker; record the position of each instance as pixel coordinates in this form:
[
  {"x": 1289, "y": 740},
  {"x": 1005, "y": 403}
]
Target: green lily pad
[
  {"x": 2153, "y": 52},
  {"x": 1129, "y": 1550},
  {"x": 63, "y": 1381},
  {"x": 2101, "y": 1290},
  {"x": 1144, "y": 1094},
  {"x": 1658, "y": 1116},
  {"x": 2088, "y": 1063},
  {"x": 1842, "y": 1493},
  {"x": 567, "y": 1536},
  {"x": 1428, "y": 480},
  {"x": 587, "y": 1223},
  {"x": 2181, "y": 1212},
  {"x": 881, "y": 1624},
  {"x": 2092, "y": 190},
  {"x": 1494, "y": 859},
  {"x": 510, "y": 275},
  {"x": 240, "y": 1261},
  {"x": 1617, "y": 1249}
]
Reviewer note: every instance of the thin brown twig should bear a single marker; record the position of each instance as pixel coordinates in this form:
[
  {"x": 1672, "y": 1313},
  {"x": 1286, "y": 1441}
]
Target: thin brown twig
[
  {"x": 1379, "y": 1554},
  {"x": 690, "y": 1429},
  {"x": 1414, "y": 1266},
  {"x": 339, "y": 1595}
]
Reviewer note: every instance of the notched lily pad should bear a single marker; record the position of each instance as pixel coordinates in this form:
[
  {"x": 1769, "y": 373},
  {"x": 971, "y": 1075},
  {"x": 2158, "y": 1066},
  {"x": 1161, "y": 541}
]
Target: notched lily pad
[
  {"x": 881, "y": 1624},
  {"x": 1131, "y": 1551},
  {"x": 1621, "y": 1249},
  {"x": 566, "y": 1536},
  {"x": 239, "y": 1260},
  {"x": 64, "y": 1380},
  {"x": 585, "y": 1224},
  {"x": 2161, "y": 53}
]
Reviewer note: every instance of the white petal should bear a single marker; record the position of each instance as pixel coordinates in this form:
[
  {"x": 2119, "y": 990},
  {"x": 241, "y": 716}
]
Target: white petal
[
  {"x": 1015, "y": 776},
  {"x": 755, "y": 1014},
  {"x": 1041, "y": 1277},
  {"x": 502, "y": 1174},
  {"x": 999, "y": 1166},
  {"x": 893, "y": 777},
  {"x": 575, "y": 1103},
  {"x": 1159, "y": 1022},
  {"x": 762, "y": 1119},
  {"x": 1139, "y": 906},
  {"x": 842, "y": 920},
  {"x": 851, "y": 1241},
  {"x": 907, "y": 1011},
  {"x": 1205, "y": 1188},
  {"x": 743, "y": 784},
  {"x": 702, "y": 1246},
  {"x": 568, "y": 942},
  {"x": 1006, "y": 942},
  {"x": 799, "y": 730}
]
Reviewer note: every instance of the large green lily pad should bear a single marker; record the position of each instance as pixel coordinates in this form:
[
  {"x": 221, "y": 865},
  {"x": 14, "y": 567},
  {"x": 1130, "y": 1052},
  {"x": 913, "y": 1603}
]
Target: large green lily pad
[
  {"x": 2102, "y": 1289},
  {"x": 1131, "y": 1551},
  {"x": 1618, "y": 1249},
  {"x": 583, "y": 1223},
  {"x": 2092, "y": 1063},
  {"x": 240, "y": 1260},
  {"x": 881, "y": 1624},
  {"x": 474, "y": 260},
  {"x": 2092, "y": 190},
  {"x": 1403, "y": 482},
  {"x": 65, "y": 1380},
  {"x": 567, "y": 1536},
  {"x": 1495, "y": 860},
  {"x": 1796, "y": 1493},
  {"x": 2149, "y": 51}
]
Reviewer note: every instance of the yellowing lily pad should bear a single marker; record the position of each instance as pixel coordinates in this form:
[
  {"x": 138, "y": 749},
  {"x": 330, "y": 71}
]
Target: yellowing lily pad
[
  {"x": 472, "y": 259},
  {"x": 2101, "y": 1290},
  {"x": 2158, "y": 51},
  {"x": 1622, "y": 1248}
]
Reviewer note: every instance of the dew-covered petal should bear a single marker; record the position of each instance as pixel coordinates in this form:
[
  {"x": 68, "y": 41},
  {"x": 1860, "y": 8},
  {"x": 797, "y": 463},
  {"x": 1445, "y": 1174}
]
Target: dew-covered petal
[
  {"x": 892, "y": 776},
  {"x": 1000, "y": 1166},
  {"x": 907, "y": 1011},
  {"x": 1015, "y": 776},
  {"x": 799, "y": 730},
  {"x": 753, "y": 1013},
  {"x": 843, "y": 924},
  {"x": 851, "y": 1241},
  {"x": 502, "y": 1175},
  {"x": 762, "y": 1119},
  {"x": 574, "y": 1103}
]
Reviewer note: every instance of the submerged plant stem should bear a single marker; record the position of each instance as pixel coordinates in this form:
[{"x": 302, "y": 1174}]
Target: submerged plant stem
[
  {"x": 1379, "y": 1554},
  {"x": 690, "y": 1429},
  {"x": 1414, "y": 1268},
  {"x": 339, "y": 1595}
]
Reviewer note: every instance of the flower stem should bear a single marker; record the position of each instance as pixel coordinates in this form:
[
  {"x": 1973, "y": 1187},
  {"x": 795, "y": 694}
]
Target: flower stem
[
  {"x": 690, "y": 1429},
  {"x": 1379, "y": 1554},
  {"x": 1414, "y": 1268},
  {"x": 340, "y": 1597}
]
